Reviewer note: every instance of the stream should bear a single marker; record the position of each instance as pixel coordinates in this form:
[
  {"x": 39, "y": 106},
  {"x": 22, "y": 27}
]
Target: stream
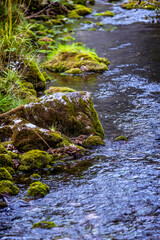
[{"x": 115, "y": 194}]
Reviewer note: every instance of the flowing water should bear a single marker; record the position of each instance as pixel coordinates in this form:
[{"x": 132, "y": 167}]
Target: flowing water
[{"x": 114, "y": 193}]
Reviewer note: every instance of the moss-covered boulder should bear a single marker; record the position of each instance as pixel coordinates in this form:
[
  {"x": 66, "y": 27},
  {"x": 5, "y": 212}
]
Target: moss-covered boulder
[
  {"x": 34, "y": 159},
  {"x": 28, "y": 136},
  {"x": 38, "y": 189},
  {"x": 5, "y": 160},
  {"x": 70, "y": 58},
  {"x": 2, "y": 149},
  {"x": 33, "y": 74},
  {"x": 121, "y": 138},
  {"x": 132, "y": 4},
  {"x": 44, "y": 224},
  {"x": 93, "y": 141},
  {"x": 70, "y": 113},
  {"x": 5, "y": 175},
  {"x": 7, "y": 187},
  {"x": 52, "y": 90}
]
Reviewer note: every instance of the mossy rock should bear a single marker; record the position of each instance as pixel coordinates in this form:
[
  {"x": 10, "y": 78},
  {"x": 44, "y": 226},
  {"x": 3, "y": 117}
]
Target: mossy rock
[
  {"x": 52, "y": 90},
  {"x": 5, "y": 175},
  {"x": 34, "y": 75},
  {"x": 5, "y": 133},
  {"x": 99, "y": 24},
  {"x": 44, "y": 224},
  {"x": 73, "y": 14},
  {"x": 34, "y": 159},
  {"x": 28, "y": 136},
  {"x": 82, "y": 2},
  {"x": 2, "y": 149},
  {"x": 38, "y": 189},
  {"x": 71, "y": 113},
  {"x": 35, "y": 176},
  {"x": 46, "y": 40},
  {"x": 82, "y": 10},
  {"x": 144, "y": 5},
  {"x": 76, "y": 59},
  {"x": 93, "y": 141},
  {"x": 92, "y": 29},
  {"x": 121, "y": 138},
  {"x": 105, "y": 14},
  {"x": 7, "y": 187},
  {"x": 5, "y": 160}
]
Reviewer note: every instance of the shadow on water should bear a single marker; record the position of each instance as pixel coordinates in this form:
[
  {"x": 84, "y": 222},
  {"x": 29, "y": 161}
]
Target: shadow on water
[{"x": 115, "y": 194}]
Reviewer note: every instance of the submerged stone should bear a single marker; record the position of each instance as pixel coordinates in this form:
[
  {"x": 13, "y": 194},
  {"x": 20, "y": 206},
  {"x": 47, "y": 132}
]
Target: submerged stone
[
  {"x": 38, "y": 189},
  {"x": 107, "y": 14},
  {"x": 34, "y": 159},
  {"x": 44, "y": 224}
]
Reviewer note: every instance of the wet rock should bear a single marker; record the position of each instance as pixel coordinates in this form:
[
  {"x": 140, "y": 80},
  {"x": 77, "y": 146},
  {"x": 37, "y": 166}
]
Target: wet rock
[
  {"x": 71, "y": 113},
  {"x": 28, "y": 136}
]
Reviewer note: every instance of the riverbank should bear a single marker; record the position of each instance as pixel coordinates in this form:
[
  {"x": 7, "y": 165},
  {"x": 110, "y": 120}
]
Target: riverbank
[{"x": 116, "y": 176}]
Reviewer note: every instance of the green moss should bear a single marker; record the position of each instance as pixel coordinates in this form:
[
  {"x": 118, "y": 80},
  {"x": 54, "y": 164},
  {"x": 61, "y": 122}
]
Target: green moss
[
  {"x": 73, "y": 14},
  {"x": 2, "y": 149},
  {"x": 107, "y": 14},
  {"x": 52, "y": 90},
  {"x": 99, "y": 24},
  {"x": 82, "y": 2},
  {"x": 5, "y": 160},
  {"x": 121, "y": 138},
  {"x": 92, "y": 29},
  {"x": 68, "y": 38},
  {"x": 82, "y": 10},
  {"x": 5, "y": 175},
  {"x": 74, "y": 71},
  {"x": 34, "y": 75},
  {"x": 35, "y": 176},
  {"x": 46, "y": 40},
  {"x": 70, "y": 58},
  {"x": 7, "y": 187},
  {"x": 38, "y": 189},
  {"x": 13, "y": 155},
  {"x": 88, "y": 22},
  {"x": 44, "y": 224},
  {"x": 144, "y": 5},
  {"x": 10, "y": 170},
  {"x": 93, "y": 141},
  {"x": 34, "y": 159}
]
